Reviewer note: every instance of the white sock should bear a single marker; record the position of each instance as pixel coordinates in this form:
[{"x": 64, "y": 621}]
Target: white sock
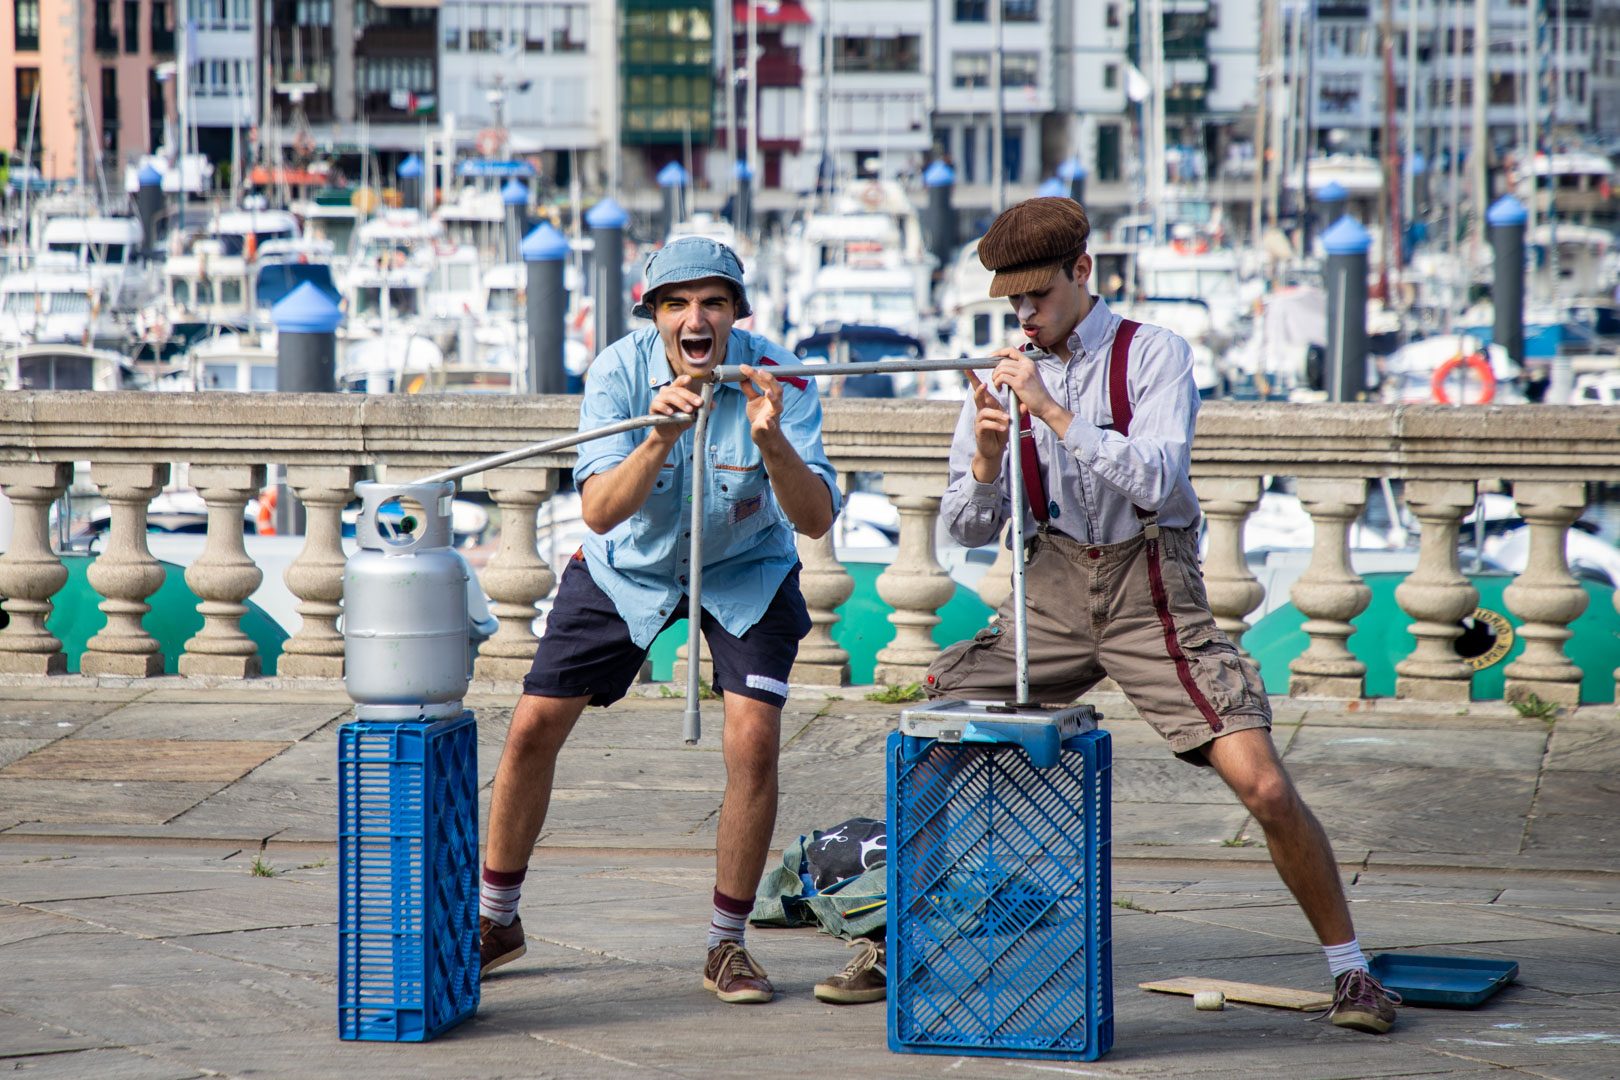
[
  {"x": 1346, "y": 957},
  {"x": 498, "y": 895},
  {"x": 730, "y": 919}
]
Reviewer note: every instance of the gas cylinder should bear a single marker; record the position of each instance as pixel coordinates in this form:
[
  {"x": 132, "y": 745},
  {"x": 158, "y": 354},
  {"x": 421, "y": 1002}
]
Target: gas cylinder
[{"x": 405, "y": 631}]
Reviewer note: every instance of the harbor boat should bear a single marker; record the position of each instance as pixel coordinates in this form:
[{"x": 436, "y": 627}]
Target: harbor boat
[{"x": 57, "y": 306}]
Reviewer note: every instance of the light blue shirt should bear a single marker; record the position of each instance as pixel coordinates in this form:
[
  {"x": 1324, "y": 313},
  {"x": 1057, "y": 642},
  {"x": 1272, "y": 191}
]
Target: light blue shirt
[
  {"x": 1095, "y": 477},
  {"x": 643, "y": 563}
]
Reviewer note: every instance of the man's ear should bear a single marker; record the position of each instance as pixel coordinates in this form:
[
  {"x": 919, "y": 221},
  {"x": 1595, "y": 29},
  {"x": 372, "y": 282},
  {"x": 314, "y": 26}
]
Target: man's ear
[{"x": 1082, "y": 269}]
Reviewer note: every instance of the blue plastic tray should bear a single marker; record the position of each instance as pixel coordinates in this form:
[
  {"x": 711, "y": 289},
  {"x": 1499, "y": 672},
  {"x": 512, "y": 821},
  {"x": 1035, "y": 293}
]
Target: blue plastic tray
[{"x": 1449, "y": 981}]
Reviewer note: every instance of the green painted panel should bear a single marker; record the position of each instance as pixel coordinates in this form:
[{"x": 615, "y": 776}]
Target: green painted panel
[
  {"x": 173, "y": 619},
  {"x": 1381, "y": 639}
]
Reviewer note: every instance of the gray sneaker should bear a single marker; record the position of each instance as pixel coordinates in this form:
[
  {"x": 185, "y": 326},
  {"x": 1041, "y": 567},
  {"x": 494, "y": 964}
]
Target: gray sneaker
[
  {"x": 864, "y": 979},
  {"x": 1360, "y": 1002}
]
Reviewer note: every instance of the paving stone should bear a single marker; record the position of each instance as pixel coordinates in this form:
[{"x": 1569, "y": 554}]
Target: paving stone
[
  {"x": 49, "y": 719},
  {"x": 1585, "y": 744},
  {"x": 118, "y": 801},
  {"x": 1594, "y": 793},
  {"x": 593, "y": 768},
  {"x": 1417, "y": 747},
  {"x": 1386, "y": 925},
  {"x": 1189, "y": 824},
  {"x": 142, "y": 759},
  {"x": 68, "y": 880},
  {"x": 20, "y": 1036},
  {"x": 267, "y": 903},
  {"x": 58, "y": 690},
  {"x": 19, "y": 923},
  {"x": 1579, "y": 836},
  {"x": 311, "y": 760},
  {"x": 233, "y": 720},
  {"x": 111, "y": 1064},
  {"x": 263, "y": 695},
  {"x": 1165, "y": 779},
  {"x": 250, "y": 809},
  {"x": 16, "y": 749},
  {"x": 1405, "y": 809}
]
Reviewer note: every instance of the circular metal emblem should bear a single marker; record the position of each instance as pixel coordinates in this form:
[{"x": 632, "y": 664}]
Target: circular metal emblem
[{"x": 1503, "y": 641}]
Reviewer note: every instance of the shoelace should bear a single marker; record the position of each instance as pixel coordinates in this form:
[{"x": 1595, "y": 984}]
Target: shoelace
[
  {"x": 736, "y": 962},
  {"x": 1359, "y": 988},
  {"x": 865, "y": 959}
]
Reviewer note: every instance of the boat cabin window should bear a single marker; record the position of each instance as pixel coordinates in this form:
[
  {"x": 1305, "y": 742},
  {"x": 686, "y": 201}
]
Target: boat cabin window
[
  {"x": 20, "y": 303},
  {"x": 56, "y": 373},
  {"x": 69, "y": 303},
  {"x": 981, "y": 330},
  {"x": 402, "y": 301},
  {"x": 367, "y": 300},
  {"x": 66, "y": 247},
  {"x": 1192, "y": 284},
  {"x": 219, "y": 377},
  {"x": 454, "y": 277},
  {"x": 205, "y": 292},
  {"x": 108, "y": 253},
  {"x": 502, "y": 301},
  {"x": 338, "y": 230},
  {"x": 181, "y": 289},
  {"x": 261, "y": 377},
  {"x": 230, "y": 290}
]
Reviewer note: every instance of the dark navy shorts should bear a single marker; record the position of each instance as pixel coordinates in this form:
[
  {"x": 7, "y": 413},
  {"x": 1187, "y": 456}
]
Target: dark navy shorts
[{"x": 587, "y": 649}]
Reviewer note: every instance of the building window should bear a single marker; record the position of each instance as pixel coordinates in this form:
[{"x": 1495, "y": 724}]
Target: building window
[
  {"x": 485, "y": 24},
  {"x": 1340, "y": 94},
  {"x": 1020, "y": 69},
  {"x": 568, "y": 23},
  {"x": 132, "y": 26},
  {"x": 1110, "y": 76},
  {"x": 537, "y": 25},
  {"x": 1111, "y": 16},
  {"x": 1020, "y": 11},
  {"x": 28, "y": 115},
  {"x": 970, "y": 70},
  {"x": 1213, "y": 19},
  {"x": 26, "y": 30},
  {"x": 162, "y": 33},
  {"x": 971, "y": 11},
  {"x": 874, "y": 54},
  {"x": 1210, "y": 84},
  {"x": 450, "y": 27}
]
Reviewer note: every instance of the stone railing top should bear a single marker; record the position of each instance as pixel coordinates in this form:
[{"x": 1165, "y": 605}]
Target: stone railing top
[{"x": 894, "y": 435}]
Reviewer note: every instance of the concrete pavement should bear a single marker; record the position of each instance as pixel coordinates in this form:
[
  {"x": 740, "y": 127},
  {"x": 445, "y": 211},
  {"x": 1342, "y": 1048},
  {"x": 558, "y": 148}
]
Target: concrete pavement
[{"x": 135, "y": 940}]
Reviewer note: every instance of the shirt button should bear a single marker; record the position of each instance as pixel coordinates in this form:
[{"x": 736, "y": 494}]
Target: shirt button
[
  {"x": 1053, "y": 509},
  {"x": 683, "y": 582},
  {"x": 662, "y": 611},
  {"x": 724, "y": 488},
  {"x": 1094, "y": 553}
]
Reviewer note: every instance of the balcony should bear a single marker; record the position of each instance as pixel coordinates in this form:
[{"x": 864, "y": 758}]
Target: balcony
[{"x": 1542, "y": 455}]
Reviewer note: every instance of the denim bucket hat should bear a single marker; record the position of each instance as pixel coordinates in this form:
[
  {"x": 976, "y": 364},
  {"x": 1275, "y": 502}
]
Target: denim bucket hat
[{"x": 691, "y": 258}]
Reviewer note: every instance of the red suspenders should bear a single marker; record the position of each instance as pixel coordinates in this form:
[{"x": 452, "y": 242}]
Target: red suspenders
[{"x": 1119, "y": 401}]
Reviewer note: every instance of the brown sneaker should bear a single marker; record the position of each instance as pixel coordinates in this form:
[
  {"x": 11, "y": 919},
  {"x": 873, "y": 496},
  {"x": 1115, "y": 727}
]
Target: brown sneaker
[
  {"x": 1361, "y": 1002},
  {"x": 499, "y": 944},
  {"x": 732, "y": 973},
  {"x": 864, "y": 979}
]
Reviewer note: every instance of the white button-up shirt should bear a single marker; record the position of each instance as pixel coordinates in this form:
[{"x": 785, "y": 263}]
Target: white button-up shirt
[{"x": 1095, "y": 477}]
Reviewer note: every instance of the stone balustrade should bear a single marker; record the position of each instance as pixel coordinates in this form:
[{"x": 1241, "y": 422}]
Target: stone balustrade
[{"x": 132, "y": 442}]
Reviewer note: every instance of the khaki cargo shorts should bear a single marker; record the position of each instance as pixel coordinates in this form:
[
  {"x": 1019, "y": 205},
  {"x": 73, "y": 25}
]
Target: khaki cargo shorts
[{"x": 1136, "y": 611}]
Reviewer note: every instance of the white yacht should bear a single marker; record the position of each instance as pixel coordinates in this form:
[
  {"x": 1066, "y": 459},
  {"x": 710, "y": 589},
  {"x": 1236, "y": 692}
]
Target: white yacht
[{"x": 45, "y": 306}]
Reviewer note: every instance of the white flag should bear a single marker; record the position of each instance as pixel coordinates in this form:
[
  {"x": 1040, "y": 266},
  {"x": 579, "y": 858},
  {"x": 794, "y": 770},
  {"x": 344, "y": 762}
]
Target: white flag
[{"x": 1137, "y": 87}]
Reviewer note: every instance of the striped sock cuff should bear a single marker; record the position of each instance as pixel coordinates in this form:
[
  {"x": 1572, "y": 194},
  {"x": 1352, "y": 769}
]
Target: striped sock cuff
[
  {"x": 730, "y": 919},
  {"x": 1345, "y": 957},
  {"x": 498, "y": 892}
]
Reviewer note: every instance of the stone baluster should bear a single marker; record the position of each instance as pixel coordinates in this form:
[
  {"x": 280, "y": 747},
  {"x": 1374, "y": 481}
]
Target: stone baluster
[
  {"x": 996, "y": 584},
  {"x": 826, "y": 585},
  {"x": 223, "y": 575},
  {"x": 1227, "y": 501},
  {"x": 1437, "y": 595},
  {"x": 516, "y": 578},
  {"x": 914, "y": 585},
  {"x": 125, "y": 573},
  {"x": 30, "y": 572},
  {"x": 1545, "y": 597},
  {"x": 316, "y": 575},
  {"x": 1330, "y": 593}
]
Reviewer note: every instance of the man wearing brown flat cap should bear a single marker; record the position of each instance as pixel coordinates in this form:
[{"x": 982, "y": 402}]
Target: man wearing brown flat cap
[{"x": 1112, "y": 580}]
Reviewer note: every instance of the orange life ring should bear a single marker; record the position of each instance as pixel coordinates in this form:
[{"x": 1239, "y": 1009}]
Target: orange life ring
[
  {"x": 872, "y": 196},
  {"x": 489, "y": 142},
  {"x": 267, "y": 511},
  {"x": 1476, "y": 363}
]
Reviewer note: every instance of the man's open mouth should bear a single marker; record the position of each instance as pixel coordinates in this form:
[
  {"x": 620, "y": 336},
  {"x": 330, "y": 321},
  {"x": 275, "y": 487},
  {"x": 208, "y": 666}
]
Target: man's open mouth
[{"x": 697, "y": 349}]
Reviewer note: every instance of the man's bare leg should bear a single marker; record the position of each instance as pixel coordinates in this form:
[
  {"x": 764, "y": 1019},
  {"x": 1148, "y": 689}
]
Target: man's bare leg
[
  {"x": 522, "y": 792},
  {"x": 748, "y": 816},
  {"x": 1248, "y": 762}
]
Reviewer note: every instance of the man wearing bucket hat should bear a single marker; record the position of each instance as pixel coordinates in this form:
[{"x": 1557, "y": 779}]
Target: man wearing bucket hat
[
  {"x": 1113, "y": 581},
  {"x": 767, "y": 476}
]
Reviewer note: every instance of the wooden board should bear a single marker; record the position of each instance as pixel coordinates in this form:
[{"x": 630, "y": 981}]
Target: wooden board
[{"x": 1282, "y": 997}]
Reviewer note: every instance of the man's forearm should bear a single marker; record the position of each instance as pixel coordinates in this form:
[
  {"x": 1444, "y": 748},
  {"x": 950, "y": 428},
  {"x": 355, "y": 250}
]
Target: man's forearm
[
  {"x": 799, "y": 489},
  {"x": 610, "y": 497}
]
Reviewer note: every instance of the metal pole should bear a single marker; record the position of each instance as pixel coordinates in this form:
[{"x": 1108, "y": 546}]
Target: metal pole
[
  {"x": 522, "y": 453},
  {"x": 692, "y": 727},
  {"x": 734, "y": 373},
  {"x": 1015, "y": 482}
]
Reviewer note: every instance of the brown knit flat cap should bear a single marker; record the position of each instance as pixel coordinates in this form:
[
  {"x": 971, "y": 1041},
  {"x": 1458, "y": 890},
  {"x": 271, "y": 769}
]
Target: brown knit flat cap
[{"x": 1030, "y": 241}]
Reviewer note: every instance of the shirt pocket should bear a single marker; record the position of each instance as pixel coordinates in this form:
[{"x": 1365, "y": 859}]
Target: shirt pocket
[
  {"x": 741, "y": 498},
  {"x": 663, "y": 502}
]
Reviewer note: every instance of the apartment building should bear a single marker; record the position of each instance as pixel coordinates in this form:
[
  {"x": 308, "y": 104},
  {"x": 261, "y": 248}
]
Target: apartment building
[
  {"x": 79, "y": 87},
  {"x": 1035, "y": 135}
]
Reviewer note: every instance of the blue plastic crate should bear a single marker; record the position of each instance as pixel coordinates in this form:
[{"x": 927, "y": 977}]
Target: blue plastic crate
[
  {"x": 999, "y": 929},
  {"x": 408, "y": 897}
]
